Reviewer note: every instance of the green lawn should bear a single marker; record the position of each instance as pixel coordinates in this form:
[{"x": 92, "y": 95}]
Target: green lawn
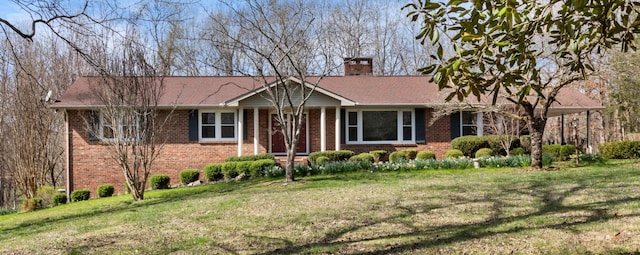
[{"x": 488, "y": 211}]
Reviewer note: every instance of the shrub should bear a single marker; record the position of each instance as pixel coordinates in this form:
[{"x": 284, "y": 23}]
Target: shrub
[
  {"x": 517, "y": 151},
  {"x": 525, "y": 143},
  {"x": 31, "y": 204},
  {"x": 365, "y": 156},
  {"x": 105, "y": 190},
  {"x": 6, "y": 211},
  {"x": 553, "y": 150},
  {"x": 410, "y": 154},
  {"x": 229, "y": 170},
  {"x": 566, "y": 151},
  {"x": 159, "y": 181},
  {"x": 213, "y": 172},
  {"x": 80, "y": 195},
  {"x": 258, "y": 167},
  {"x": 58, "y": 199},
  {"x": 453, "y": 153},
  {"x": 332, "y": 155},
  {"x": 378, "y": 155},
  {"x": 189, "y": 175},
  {"x": 592, "y": 159},
  {"x": 242, "y": 167},
  {"x": 300, "y": 170},
  {"x": 469, "y": 144},
  {"x": 322, "y": 160},
  {"x": 44, "y": 193},
  {"x": 274, "y": 171},
  {"x": 396, "y": 156},
  {"x": 484, "y": 152},
  {"x": 424, "y": 155},
  {"x": 250, "y": 158},
  {"x": 620, "y": 150}
]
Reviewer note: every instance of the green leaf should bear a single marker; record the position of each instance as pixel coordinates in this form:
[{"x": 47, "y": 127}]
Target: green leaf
[{"x": 456, "y": 65}]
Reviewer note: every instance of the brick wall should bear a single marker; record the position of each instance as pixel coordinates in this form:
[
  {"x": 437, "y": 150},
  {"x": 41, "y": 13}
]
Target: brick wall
[{"x": 92, "y": 164}]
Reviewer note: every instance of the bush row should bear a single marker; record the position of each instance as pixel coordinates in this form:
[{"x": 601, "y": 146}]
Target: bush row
[
  {"x": 470, "y": 144},
  {"x": 250, "y": 157},
  {"x": 332, "y": 155},
  {"x": 232, "y": 169},
  {"x": 559, "y": 152},
  {"x": 620, "y": 150}
]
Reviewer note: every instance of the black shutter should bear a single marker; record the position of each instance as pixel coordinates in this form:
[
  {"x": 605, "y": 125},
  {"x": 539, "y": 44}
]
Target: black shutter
[
  {"x": 343, "y": 126},
  {"x": 193, "y": 125},
  {"x": 420, "y": 126},
  {"x": 94, "y": 126},
  {"x": 455, "y": 125}
]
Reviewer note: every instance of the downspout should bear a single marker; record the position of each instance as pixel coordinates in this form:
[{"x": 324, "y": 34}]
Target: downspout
[{"x": 67, "y": 189}]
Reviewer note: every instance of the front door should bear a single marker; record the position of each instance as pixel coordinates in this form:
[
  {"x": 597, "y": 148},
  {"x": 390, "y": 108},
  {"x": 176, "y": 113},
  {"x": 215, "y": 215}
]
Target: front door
[{"x": 277, "y": 138}]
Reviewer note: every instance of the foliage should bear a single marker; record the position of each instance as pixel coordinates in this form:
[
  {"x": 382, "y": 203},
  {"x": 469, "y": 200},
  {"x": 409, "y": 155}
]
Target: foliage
[
  {"x": 229, "y": 170},
  {"x": 250, "y": 157},
  {"x": 559, "y": 152},
  {"x": 159, "y": 181},
  {"x": 332, "y": 155},
  {"x": 453, "y": 153},
  {"x": 258, "y": 167},
  {"x": 469, "y": 144},
  {"x": 6, "y": 211},
  {"x": 213, "y": 172},
  {"x": 378, "y": 155},
  {"x": 410, "y": 154},
  {"x": 424, "y": 155},
  {"x": 321, "y": 160},
  {"x": 45, "y": 193},
  {"x": 501, "y": 161},
  {"x": 58, "y": 199},
  {"x": 80, "y": 195},
  {"x": 365, "y": 156},
  {"x": 620, "y": 150},
  {"x": 525, "y": 143},
  {"x": 497, "y": 48},
  {"x": 243, "y": 167},
  {"x": 189, "y": 175},
  {"x": 31, "y": 204},
  {"x": 105, "y": 190},
  {"x": 483, "y": 152},
  {"x": 396, "y": 156},
  {"x": 592, "y": 159},
  {"x": 272, "y": 172},
  {"x": 517, "y": 151}
]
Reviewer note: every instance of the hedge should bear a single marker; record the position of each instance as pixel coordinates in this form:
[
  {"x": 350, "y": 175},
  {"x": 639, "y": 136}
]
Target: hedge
[
  {"x": 189, "y": 175},
  {"x": 105, "y": 190},
  {"x": 213, "y": 172},
  {"x": 470, "y": 144},
  {"x": 58, "y": 199},
  {"x": 424, "y": 155},
  {"x": 80, "y": 195},
  {"x": 159, "y": 181},
  {"x": 365, "y": 156},
  {"x": 620, "y": 150},
  {"x": 250, "y": 158},
  {"x": 453, "y": 154},
  {"x": 229, "y": 170},
  {"x": 484, "y": 152},
  {"x": 378, "y": 155},
  {"x": 257, "y": 168},
  {"x": 332, "y": 155},
  {"x": 559, "y": 152}
]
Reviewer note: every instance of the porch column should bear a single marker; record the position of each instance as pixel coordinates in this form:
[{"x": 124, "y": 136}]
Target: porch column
[
  {"x": 240, "y": 130},
  {"x": 337, "y": 128},
  {"x": 323, "y": 128},
  {"x": 480, "y": 124},
  {"x": 256, "y": 131}
]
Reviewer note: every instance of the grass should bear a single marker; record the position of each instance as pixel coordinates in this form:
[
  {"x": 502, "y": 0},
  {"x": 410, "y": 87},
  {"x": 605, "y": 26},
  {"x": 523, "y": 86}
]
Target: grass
[{"x": 488, "y": 211}]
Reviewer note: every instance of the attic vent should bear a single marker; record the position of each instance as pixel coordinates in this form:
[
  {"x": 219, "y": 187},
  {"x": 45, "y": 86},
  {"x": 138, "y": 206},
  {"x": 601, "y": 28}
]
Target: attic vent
[{"x": 358, "y": 66}]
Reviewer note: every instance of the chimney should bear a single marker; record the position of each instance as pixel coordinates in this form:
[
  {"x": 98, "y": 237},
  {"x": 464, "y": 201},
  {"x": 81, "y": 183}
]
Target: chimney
[{"x": 358, "y": 66}]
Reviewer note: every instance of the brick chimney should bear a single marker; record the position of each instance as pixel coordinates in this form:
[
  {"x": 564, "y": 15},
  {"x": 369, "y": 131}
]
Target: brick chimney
[{"x": 358, "y": 66}]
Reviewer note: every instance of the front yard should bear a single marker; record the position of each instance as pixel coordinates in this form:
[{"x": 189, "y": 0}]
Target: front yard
[{"x": 495, "y": 211}]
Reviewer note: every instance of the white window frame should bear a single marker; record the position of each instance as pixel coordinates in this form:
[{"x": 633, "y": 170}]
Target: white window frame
[
  {"x": 399, "y": 125},
  {"x": 479, "y": 125},
  {"x": 102, "y": 126},
  {"x": 218, "y": 126}
]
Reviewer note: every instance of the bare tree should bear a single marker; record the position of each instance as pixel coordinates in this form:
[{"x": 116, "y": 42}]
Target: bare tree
[
  {"x": 279, "y": 48},
  {"x": 130, "y": 120}
]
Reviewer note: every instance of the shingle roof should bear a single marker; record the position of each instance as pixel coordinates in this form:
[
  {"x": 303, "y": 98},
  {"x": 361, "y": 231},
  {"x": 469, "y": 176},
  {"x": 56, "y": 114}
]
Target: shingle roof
[{"x": 185, "y": 92}]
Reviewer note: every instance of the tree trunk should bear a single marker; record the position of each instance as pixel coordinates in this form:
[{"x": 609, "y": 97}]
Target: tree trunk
[
  {"x": 289, "y": 170},
  {"x": 536, "y": 129}
]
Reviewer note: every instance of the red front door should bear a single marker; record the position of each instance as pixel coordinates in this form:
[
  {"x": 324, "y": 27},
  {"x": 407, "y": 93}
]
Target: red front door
[{"x": 277, "y": 138}]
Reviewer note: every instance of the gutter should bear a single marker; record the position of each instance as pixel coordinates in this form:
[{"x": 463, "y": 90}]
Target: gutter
[{"x": 67, "y": 159}]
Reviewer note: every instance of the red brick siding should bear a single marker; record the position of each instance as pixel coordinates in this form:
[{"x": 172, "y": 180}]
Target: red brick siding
[{"x": 92, "y": 165}]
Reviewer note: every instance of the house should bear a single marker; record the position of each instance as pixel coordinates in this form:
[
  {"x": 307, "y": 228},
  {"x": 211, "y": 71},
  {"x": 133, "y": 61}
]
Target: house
[{"x": 218, "y": 117}]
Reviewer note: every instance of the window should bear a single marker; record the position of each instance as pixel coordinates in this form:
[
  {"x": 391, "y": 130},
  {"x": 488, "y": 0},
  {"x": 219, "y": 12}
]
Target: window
[
  {"x": 217, "y": 126},
  {"x": 387, "y": 126},
  {"x": 118, "y": 126},
  {"x": 471, "y": 123}
]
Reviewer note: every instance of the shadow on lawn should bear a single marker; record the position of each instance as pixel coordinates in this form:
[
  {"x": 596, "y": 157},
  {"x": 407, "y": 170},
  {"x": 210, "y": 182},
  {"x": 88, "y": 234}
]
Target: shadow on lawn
[{"x": 547, "y": 193}]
